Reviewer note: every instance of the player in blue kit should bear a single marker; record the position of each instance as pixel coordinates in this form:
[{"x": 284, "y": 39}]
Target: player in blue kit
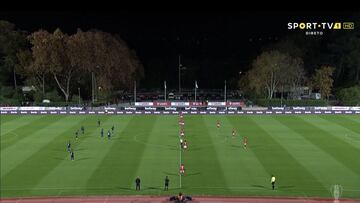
[
  {"x": 77, "y": 134},
  {"x": 68, "y": 146},
  {"x": 72, "y": 156}
]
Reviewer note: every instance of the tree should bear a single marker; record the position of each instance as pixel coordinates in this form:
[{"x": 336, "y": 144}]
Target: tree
[
  {"x": 322, "y": 80},
  {"x": 265, "y": 73},
  {"x": 37, "y": 67},
  {"x": 117, "y": 65},
  {"x": 34, "y": 73},
  {"x": 273, "y": 69},
  {"x": 50, "y": 52},
  {"x": 349, "y": 96},
  {"x": 60, "y": 65},
  {"x": 11, "y": 41},
  {"x": 294, "y": 76},
  {"x": 343, "y": 53},
  {"x": 107, "y": 57}
]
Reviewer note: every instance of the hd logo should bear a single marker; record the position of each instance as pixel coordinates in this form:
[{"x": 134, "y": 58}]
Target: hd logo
[{"x": 348, "y": 25}]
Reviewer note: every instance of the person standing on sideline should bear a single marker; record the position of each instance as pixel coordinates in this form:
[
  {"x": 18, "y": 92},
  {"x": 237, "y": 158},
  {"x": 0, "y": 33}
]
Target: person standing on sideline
[
  {"x": 137, "y": 182},
  {"x": 273, "y": 182},
  {"x": 166, "y": 183},
  {"x": 72, "y": 156}
]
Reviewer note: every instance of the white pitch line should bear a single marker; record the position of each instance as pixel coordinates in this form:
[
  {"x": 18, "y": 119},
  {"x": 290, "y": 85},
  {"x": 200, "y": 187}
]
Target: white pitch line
[
  {"x": 100, "y": 188},
  {"x": 180, "y": 164}
]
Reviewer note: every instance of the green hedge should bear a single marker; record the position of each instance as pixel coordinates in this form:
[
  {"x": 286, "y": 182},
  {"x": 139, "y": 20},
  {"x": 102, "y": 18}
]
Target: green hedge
[
  {"x": 277, "y": 102},
  {"x": 349, "y": 96},
  {"x": 60, "y": 104},
  {"x": 70, "y": 103},
  {"x": 9, "y": 101},
  {"x": 8, "y": 96},
  {"x": 7, "y": 92}
]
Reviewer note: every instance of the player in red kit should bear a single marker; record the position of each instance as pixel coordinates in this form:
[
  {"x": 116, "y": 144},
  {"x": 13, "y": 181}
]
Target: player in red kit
[
  {"x": 182, "y": 169},
  {"x": 181, "y": 120},
  {"x": 245, "y": 142},
  {"x": 182, "y": 132},
  {"x": 218, "y": 124},
  {"x": 185, "y": 145}
]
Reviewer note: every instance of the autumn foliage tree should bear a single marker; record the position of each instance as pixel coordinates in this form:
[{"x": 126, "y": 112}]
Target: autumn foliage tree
[
  {"x": 322, "y": 80},
  {"x": 50, "y": 52},
  {"x": 68, "y": 58},
  {"x": 273, "y": 70}
]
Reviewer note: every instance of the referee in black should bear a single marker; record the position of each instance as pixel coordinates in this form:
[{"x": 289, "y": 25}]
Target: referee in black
[
  {"x": 137, "y": 182},
  {"x": 166, "y": 183}
]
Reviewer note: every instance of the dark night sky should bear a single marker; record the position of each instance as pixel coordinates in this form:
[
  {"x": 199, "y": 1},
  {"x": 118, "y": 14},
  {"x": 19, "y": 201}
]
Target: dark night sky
[{"x": 215, "y": 45}]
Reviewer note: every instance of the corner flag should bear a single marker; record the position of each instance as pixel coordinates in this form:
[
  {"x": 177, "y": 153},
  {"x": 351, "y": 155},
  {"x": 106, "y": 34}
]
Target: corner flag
[
  {"x": 196, "y": 86},
  {"x": 165, "y": 84}
]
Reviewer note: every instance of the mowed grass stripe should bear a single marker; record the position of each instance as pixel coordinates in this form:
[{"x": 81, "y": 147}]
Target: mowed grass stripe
[
  {"x": 23, "y": 149},
  {"x": 243, "y": 172},
  {"x": 241, "y": 167},
  {"x": 319, "y": 163},
  {"x": 346, "y": 122},
  {"x": 6, "y": 118},
  {"x": 122, "y": 160},
  {"x": 244, "y": 128},
  {"x": 340, "y": 127},
  {"x": 201, "y": 160},
  {"x": 355, "y": 118},
  {"x": 12, "y": 125},
  {"x": 332, "y": 145},
  {"x": 275, "y": 160},
  {"x": 42, "y": 162},
  {"x": 88, "y": 155},
  {"x": 23, "y": 131},
  {"x": 160, "y": 157}
]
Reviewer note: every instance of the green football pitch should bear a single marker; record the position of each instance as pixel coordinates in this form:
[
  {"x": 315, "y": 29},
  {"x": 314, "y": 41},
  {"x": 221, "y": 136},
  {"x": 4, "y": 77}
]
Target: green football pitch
[{"x": 307, "y": 154}]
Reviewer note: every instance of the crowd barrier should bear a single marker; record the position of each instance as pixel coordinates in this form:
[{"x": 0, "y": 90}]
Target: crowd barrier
[{"x": 172, "y": 112}]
